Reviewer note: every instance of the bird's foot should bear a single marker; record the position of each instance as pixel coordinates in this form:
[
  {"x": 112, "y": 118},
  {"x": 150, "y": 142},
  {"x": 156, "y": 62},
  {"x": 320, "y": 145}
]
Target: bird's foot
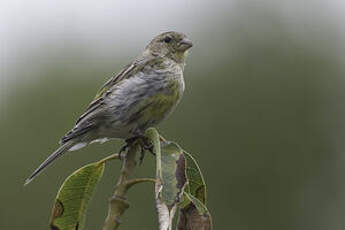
[
  {"x": 124, "y": 148},
  {"x": 145, "y": 145}
]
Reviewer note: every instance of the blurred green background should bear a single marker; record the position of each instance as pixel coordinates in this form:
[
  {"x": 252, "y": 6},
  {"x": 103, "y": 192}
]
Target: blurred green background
[{"x": 263, "y": 110}]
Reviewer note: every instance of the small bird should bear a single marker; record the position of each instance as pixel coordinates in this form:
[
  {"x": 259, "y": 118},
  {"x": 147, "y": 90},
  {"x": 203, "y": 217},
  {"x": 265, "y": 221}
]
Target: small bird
[{"x": 140, "y": 96}]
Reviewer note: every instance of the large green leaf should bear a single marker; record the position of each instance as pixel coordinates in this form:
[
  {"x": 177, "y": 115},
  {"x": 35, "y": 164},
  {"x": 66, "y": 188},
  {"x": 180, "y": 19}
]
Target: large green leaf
[
  {"x": 73, "y": 197},
  {"x": 170, "y": 178}
]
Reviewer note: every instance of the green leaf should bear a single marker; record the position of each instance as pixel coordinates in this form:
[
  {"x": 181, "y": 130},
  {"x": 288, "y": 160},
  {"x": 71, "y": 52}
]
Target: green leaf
[
  {"x": 170, "y": 178},
  {"x": 196, "y": 184},
  {"x": 73, "y": 197}
]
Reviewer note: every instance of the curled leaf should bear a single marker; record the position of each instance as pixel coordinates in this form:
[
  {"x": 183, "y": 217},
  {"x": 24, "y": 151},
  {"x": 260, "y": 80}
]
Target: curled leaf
[
  {"x": 194, "y": 216},
  {"x": 170, "y": 178},
  {"x": 193, "y": 212},
  {"x": 196, "y": 183}
]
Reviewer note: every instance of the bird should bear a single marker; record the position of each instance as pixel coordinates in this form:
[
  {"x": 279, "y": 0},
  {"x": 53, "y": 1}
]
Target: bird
[{"x": 141, "y": 95}]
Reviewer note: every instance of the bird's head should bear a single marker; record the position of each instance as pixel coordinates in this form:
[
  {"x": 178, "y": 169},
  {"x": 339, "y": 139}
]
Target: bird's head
[{"x": 171, "y": 44}]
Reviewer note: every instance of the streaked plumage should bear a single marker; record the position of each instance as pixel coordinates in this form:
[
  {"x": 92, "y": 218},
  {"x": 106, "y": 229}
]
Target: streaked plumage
[{"x": 143, "y": 94}]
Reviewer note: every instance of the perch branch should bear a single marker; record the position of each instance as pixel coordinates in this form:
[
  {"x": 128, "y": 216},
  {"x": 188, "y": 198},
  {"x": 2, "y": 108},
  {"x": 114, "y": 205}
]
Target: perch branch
[{"x": 118, "y": 202}]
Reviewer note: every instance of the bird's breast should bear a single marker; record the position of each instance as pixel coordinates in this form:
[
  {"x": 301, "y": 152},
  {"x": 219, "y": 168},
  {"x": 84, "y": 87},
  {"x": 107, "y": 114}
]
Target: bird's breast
[{"x": 157, "y": 105}]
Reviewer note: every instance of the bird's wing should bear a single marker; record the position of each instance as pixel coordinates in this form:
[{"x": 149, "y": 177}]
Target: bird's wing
[
  {"x": 86, "y": 122},
  {"x": 125, "y": 73},
  {"x": 128, "y": 71},
  {"x": 103, "y": 91}
]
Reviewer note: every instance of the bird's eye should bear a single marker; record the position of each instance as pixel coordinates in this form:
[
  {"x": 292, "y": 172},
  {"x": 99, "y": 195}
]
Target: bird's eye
[{"x": 167, "y": 39}]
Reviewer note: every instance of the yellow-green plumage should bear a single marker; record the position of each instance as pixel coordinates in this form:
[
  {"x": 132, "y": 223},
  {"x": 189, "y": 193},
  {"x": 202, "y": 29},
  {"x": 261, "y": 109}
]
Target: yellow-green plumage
[{"x": 161, "y": 104}]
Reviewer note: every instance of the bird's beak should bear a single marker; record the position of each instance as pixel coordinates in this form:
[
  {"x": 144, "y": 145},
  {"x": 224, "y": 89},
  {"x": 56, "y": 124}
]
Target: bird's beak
[{"x": 185, "y": 44}]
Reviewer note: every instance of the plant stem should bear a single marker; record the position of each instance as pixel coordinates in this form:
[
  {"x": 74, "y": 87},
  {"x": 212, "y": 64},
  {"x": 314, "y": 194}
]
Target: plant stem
[
  {"x": 115, "y": 156},
  {"x": 118, "y": 202},
  {"x": 132, "y": 182}
]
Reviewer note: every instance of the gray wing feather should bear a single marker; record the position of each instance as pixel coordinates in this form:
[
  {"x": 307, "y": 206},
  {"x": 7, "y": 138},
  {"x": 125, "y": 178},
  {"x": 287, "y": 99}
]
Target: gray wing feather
[{"x": 88, "y": 120}]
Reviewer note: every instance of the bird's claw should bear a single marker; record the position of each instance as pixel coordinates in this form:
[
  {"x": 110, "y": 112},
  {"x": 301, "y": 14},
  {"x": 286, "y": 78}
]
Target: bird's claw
[
  {"x": 146, "y": 146},
  {"x": 145, "y": 143},
  {"x": 124, "y": 148}
]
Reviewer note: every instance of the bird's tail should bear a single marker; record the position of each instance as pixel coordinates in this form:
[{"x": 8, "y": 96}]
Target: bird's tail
[{"x": 61, "y": 150}]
